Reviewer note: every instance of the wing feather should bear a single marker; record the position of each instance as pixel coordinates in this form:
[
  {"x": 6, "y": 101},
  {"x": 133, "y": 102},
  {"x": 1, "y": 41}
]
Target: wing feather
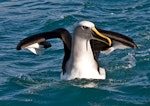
[{"x": 119, "y": 41}]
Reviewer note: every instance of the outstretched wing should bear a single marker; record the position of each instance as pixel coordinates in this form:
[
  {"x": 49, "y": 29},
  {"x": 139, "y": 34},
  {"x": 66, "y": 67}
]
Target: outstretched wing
[
  {"x": 119, "y": 41},
  {"x": 38, "y": 42}
]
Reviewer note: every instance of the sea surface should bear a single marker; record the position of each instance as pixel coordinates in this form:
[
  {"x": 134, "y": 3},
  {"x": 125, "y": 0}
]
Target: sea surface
[{"x": 31, "y": 80}]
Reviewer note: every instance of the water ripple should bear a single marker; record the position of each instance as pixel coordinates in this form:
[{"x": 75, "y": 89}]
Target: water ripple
[{"x": 28, "y": 79}]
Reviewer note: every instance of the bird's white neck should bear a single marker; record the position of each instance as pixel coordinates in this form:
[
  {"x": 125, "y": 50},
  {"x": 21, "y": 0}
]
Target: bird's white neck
[{"x": 81, "y": 50}]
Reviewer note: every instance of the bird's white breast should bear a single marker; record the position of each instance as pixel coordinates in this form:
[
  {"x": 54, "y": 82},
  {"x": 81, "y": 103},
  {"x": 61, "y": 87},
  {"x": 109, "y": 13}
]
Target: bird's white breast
[{"x": 82, "y": 63}]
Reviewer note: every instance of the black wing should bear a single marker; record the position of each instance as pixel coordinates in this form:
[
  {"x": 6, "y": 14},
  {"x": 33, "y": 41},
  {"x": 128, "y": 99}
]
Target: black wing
[
  {"x": 39, "y": 41},
  {"x": 119, "y": 41}
]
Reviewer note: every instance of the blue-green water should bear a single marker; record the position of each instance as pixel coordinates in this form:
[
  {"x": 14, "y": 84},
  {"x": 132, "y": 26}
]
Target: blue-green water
[{"x": 27, "y": 79}]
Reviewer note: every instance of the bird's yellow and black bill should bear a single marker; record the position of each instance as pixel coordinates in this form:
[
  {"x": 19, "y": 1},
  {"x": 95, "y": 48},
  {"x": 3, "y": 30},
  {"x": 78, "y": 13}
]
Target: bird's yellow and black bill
[{"x": 100, "y": 37}]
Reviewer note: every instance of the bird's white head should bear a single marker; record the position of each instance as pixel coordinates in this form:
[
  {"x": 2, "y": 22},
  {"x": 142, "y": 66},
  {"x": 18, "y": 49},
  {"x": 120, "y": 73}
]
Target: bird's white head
[
  {"x": 86, "y": 24},
  {"x": 83, "y": 30},
  {"x": 87, "y": 31}
]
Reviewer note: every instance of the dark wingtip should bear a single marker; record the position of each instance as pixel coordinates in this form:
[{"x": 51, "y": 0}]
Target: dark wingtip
[
  {"x": 132, "y": 44},
  {"x": 135, "y": 46},
  {"x": 18, "y": 46}
]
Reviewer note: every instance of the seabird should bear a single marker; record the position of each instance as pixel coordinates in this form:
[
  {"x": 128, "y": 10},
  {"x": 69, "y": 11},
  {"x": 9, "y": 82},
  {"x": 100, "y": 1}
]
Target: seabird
[{"x": 81, "y": 51}]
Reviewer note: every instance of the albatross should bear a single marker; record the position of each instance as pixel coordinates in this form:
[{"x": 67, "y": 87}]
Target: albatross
[{"x": 81, "y": 50}]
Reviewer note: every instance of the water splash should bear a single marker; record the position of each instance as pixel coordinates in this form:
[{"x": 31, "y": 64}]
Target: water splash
[{"x": 129, "y": 60}]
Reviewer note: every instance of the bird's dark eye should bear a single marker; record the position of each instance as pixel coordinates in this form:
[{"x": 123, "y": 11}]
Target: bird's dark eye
[{"x": 84, "y": 27}]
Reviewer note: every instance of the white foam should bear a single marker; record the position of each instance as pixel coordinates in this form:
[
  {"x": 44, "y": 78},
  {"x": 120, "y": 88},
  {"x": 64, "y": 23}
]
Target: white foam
[{"x": 130, "y": 60}]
